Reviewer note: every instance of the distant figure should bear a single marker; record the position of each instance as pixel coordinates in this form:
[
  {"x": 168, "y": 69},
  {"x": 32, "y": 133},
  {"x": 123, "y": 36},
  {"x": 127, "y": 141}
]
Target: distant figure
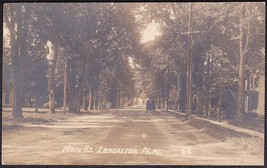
[
  {"x": 31, "y": 102},
  {"x": 130, "y": 104}
]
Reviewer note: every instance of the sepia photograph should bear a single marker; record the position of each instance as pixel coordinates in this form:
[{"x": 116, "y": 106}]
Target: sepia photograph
[{"x": 133, "y": 83}]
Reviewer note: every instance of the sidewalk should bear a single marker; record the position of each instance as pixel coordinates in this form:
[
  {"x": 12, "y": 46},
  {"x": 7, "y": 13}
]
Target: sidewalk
[{"x": 225, "y": 124}]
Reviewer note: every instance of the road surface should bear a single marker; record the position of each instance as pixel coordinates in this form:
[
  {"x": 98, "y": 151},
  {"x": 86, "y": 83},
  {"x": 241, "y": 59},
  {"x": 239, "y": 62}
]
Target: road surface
[{"x": 123, "y": 136}]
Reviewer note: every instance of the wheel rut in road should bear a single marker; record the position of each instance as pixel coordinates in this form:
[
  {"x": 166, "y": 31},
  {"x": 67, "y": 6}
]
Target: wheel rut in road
[{"x": 152, "y": 137}]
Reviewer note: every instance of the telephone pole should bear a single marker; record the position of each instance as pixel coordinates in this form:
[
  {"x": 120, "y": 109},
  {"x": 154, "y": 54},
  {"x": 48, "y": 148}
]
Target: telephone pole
[{"x": 189, "y": 63}]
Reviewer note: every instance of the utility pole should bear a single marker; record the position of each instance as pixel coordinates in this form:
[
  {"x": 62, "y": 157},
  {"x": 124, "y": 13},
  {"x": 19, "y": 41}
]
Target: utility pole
[{"x": 189, "y": 63}]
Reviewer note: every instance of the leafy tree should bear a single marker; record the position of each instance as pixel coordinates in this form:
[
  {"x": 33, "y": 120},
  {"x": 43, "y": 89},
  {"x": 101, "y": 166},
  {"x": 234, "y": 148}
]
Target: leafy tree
[{"x": 16, "y": 17}]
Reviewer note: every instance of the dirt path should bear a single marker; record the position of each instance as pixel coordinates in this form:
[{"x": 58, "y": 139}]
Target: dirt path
[{"x": 129, "y": 136}]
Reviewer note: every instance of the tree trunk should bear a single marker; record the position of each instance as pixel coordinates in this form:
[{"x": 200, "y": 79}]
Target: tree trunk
[
  {"x": 220, "y": 105},
  {"x": 51, "y": 83},
  {"x": 4, "y": 97},
  {"x": 248, "y": 91},
  {"x": 80, "y": 97},
  {"x": 84, "y": 101},
  {"x": 92, "y": 99},
  {"x": 95, "y": 98},
  {"x": 65, "y": 89},
  {"x": 89, "y": 100},
  {"x": 207, "y": 89},
  {"x": 74, "y": 96},
  {"x": 113, "y": 99},
  {"x": 78, "y": 106},
  {"x": 17, "y": 96},
  {"x": 162, "y": 100},
  {"x": 119, "y": 98},
  {"x": 159, "y": 101},
  {"x": 176, "y": 101},
  {"x": 35, "y": 102},
  {"x": 182, "y": 93},
  {"x": 74, "y": 103},
  {"x": 167, "y": 98},
  {"x": 242, "y": 50},
  {"x": 207, "y": 107},
  {"x": 82, "y": 83},
  {"x": 168, "y": 84},
  {"x": 199, "y": 100},
  {"x": 16, "y": 63},
  {"x": 189, "y": 66},
  {"x": 123, "y": 101},
  {"x": 100, "y": 102}
]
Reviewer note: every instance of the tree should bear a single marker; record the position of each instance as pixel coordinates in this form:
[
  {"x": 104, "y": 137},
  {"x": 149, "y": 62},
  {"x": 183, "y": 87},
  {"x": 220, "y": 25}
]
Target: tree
[
  {"x": 217, "y": 27},
  {"x": 16, "y": 17}
]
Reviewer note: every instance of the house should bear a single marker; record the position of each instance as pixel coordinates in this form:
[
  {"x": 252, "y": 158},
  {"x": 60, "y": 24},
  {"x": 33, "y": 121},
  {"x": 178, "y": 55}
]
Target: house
[
  {"x": 255, "y": 95},
  {"x": 261, "y": 96}
]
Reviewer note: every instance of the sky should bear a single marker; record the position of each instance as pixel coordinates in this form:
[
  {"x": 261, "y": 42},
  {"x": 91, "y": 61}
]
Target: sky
[
  {"x": 50, "y": 50},
  {"x": 150, "y": 33}
]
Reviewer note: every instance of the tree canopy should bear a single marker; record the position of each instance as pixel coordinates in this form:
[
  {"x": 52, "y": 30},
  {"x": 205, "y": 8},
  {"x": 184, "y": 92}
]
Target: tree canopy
[{"x": 94, "y": 50}]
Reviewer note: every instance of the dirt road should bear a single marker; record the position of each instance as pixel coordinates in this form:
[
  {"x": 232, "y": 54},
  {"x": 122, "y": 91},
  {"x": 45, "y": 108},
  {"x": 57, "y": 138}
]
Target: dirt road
[{"x": 126, "y": 136}]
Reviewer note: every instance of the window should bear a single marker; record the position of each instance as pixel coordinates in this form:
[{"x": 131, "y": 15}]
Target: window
[{"x": 256, "y": 84}]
